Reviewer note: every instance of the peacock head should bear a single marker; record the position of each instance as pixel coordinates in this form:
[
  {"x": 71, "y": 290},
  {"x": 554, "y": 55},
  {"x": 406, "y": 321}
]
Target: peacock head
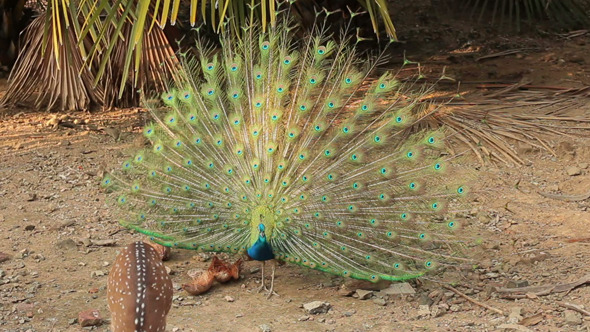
[{"x": 261, "y": 230}]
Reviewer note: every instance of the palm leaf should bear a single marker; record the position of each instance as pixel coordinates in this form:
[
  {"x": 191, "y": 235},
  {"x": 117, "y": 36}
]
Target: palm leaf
[{"x": 59, "y": 75}]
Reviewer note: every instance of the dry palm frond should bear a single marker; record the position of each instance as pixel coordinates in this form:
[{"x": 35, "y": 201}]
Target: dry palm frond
[
  {"x": 157, "y": 65},
  {"x": 491, "y": 128},
  {"x": 63, "y": 81},
  {"x": 221, "y": 15},
  {"x": 564, "y": 13}
]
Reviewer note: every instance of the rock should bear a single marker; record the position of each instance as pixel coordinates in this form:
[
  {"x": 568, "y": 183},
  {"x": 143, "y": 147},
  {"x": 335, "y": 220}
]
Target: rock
[
  {"x": 23, "y": 254},
  {"x": 29, "y": 227},
  {"x": 423, "y": 311},
  {"x": 380, "y": 301},
  {"x": 304, "y": 318},
  {"x": 265, "y": 328},
  {"x": 437, "y": 311},
  {"x": 583, "y": 165},
  {"x": 349, "y": 313},
  {"x": 425, "y": 300},
  {"x": 364, "y": 294},
  {"x": 573, "y": 171},
  {"x": 398, "y": 288},
  {"x": 316, "y": 307},
  {"x": 89, "y": 318},
  {"x": 97, "y": 273},
  {"x": 67, "y": 244},
  {"x": 229, "y": 298},
  {"x": 4, "y": 257},
  {"x": 254, "y": 270},
  {"x": 572, "y": 317},
  {"x": 517, "y": 283},
  {"x": 455, "y": 308},
  {"x": 515, "y": 315}
]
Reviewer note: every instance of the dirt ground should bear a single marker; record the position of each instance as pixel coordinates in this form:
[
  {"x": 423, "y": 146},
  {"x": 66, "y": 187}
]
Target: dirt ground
[{"x": 58, "y": 232}]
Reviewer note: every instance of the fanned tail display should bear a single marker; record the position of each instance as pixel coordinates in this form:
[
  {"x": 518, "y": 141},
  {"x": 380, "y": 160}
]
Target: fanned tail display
[{"x": 294, "y": 151}]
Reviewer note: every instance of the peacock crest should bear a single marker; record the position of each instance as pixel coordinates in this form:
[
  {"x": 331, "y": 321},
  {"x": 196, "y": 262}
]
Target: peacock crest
[{"x": 298, "y": 139}]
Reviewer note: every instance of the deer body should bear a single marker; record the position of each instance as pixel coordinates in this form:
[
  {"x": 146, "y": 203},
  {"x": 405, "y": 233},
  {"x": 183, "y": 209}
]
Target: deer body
[{"x": 139, "y": 290}]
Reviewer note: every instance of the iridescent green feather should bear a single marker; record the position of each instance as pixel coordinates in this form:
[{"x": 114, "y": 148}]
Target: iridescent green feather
[{"x": 298, "y": 137}]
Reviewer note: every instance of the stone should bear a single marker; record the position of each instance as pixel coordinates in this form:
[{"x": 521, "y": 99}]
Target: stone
[
  {"x": 265, "y": 328},
  {"x": 515, "y": 315},
  {"x": 229, "y": 298},
  {"x": 98, "y": 273},
  {"x": 423, "y": 311},
  {"x": 424, "y": 299},
  {"x": 4, "y": 257},
  {"x": 364, "y": 294},
  {"x": 436, "y": 311},
  {"x": 573, "y": 170},
  {"x": 89, "y": 317},
  {"x": 317, "y": 307},
  {"x": 517, "y": 283},
  {"x": 572, "y": 318},
  {"x": 349, "y": 313},
  {"x": 67, "y": 244},
  {"x": 398, "y": 289},
  {"x": 380, "y": 301},
  {"x": 304, "y": 318}
]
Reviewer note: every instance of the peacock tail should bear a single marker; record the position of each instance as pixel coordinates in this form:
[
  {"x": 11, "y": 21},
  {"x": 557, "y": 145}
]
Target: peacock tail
[{"x": 301, "y": 138}]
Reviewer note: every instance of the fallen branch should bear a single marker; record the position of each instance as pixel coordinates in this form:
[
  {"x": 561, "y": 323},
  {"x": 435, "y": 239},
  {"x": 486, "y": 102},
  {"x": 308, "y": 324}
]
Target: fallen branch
[
  {"x": 566, "y": 198},
  {"x": 574, "y": 307},
  {"x": 500, "y": 54},
  {"x": 548, "y": 289},
  {"x": 483, "y": 305}
]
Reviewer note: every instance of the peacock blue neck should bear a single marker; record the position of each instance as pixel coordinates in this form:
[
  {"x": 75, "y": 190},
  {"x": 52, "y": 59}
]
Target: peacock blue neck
[{"x": 261, "y": 249}]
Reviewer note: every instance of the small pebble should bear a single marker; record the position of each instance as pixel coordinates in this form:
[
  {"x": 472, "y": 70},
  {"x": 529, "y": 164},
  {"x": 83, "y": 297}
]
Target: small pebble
[
  {"x": 380, "y": 301},
  {"x": 572, "y": 317},
  {"x": 364, "y": 294},
  {"x": 89, "y": 318},
  {"x": 573, "y": 171}
]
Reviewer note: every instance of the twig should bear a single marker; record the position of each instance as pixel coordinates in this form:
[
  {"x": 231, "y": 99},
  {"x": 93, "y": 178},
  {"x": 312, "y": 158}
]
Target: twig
[
  {"x": 527, "y": 86},
  {"x": 513, "y": 87},
  {"x": 574, "y": 307},
  {"x": 547, "y": 289},
  {"x": 483, "y": 305},
  {"x": 515, "y": 327},
  {"x": 499, "y": 54},
  {"x": 567, "y": 198}
]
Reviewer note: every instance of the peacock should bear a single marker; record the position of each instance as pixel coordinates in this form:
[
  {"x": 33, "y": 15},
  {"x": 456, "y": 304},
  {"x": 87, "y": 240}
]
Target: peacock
[{"x": 295, "y": 149}]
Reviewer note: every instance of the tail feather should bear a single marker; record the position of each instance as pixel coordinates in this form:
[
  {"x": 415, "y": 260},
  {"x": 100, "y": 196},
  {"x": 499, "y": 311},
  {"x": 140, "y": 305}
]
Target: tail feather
[{"x": 301, "y": 133}]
